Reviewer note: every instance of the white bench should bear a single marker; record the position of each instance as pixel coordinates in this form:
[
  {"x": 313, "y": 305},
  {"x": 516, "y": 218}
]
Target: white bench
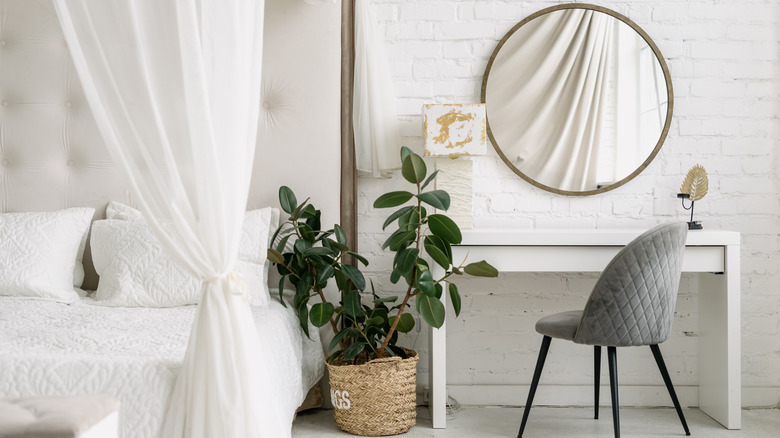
[{"x": 85, "y": 416}]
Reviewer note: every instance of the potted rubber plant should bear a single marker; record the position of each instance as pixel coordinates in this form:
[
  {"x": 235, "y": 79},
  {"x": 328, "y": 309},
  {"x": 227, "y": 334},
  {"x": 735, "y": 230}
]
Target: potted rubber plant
[
  {"x": 372, "y": 379},
  {"x": 308, "y": 257}
]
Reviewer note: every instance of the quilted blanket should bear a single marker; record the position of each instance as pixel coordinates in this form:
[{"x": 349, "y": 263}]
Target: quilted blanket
[{"x": 134, "y": 354}]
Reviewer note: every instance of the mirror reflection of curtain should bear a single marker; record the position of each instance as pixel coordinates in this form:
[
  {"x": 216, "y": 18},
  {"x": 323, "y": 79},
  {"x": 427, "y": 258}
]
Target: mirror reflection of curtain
[
  {"x": 175, "y": 91},
  {"x": 377, "y": 135},
  {"x": 553, "y": 96}
]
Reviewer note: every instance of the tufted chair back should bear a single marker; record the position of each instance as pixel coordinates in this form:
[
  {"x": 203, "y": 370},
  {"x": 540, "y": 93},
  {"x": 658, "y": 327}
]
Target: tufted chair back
[{"x": 633, "y": 300}]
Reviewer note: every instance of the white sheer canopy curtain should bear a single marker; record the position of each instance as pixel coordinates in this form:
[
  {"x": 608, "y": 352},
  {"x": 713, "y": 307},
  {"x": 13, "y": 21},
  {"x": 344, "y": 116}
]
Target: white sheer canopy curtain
[
  {"x": 174, "y": 87},
  {"x": 376, "y": 127}
]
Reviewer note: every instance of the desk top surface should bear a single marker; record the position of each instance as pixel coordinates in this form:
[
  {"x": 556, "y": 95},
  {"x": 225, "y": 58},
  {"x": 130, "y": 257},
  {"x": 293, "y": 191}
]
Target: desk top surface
[{"x": 584, "y": 237}]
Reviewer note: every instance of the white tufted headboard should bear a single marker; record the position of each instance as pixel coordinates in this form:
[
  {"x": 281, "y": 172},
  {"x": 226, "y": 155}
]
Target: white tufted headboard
[{"x": 52, "y": 156}]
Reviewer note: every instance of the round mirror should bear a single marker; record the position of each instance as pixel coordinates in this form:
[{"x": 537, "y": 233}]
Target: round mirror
[{"x": 578, "y": 99}]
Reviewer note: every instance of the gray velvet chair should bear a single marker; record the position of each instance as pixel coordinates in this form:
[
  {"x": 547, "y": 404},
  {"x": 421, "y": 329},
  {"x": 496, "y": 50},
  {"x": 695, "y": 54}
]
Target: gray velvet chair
[{"x": 632, "y": 304}]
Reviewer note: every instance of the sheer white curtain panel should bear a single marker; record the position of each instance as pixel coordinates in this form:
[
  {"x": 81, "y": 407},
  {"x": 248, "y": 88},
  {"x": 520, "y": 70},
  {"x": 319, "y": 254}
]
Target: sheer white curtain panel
[
  {"x": 376, "y": 127},
  {"x": 174, "y": 87}
]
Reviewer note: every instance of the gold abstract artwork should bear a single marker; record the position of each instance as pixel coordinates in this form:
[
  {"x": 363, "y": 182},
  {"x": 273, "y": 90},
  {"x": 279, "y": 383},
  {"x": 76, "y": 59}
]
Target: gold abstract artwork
[
  {"x": 695, "y": 183},
  {"x": 454, "y": 130}
]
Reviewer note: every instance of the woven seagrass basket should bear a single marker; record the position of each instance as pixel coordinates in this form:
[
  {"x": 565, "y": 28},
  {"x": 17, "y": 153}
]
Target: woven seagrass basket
[{"x": 377, "y": 398}]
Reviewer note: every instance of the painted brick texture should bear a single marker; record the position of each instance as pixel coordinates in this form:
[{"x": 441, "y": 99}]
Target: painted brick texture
[{"x": 724, "y": 58}]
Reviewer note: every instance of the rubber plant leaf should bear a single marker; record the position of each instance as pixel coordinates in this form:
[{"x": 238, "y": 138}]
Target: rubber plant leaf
[
  {"x": 431, "y": 310},
  {"x": 445, "y": 228},
  {"x": 436, "y": 198},
  {"x": 321, "y": 313},
  {"x": 392, "y": 199},
  {"x": 287, "y": 199},
  {"x": 413, "y": 169}
]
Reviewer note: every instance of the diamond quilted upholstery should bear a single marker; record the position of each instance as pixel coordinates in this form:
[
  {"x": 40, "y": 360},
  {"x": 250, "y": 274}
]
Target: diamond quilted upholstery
[{"x": 633, "y": 300}]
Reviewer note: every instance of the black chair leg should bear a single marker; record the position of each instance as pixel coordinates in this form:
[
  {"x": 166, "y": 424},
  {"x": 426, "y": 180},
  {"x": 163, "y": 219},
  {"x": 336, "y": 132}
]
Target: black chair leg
[
  {"x": 659, "y": 360},
  {"x": 537, "y": 374},
  {"x": 596, "y": 378},
  {"x": 613, "y": 386}
]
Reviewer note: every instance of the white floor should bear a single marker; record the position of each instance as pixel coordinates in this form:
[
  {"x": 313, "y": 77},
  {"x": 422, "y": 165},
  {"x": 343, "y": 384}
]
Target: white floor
[{"x": 492, "y": 422}]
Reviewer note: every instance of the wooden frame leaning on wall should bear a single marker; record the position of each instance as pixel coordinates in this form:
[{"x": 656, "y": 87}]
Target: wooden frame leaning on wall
[{"x": 348, "y": 213}]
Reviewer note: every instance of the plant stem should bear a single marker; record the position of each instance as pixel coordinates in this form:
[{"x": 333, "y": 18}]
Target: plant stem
[
  {"x": 401, "y": 308},
  {"x": 409, "y": 294},
  {"x": 365, "y": 336},
  {"x": 419, "y": 225},
  {"x": 318, "y": 289}
]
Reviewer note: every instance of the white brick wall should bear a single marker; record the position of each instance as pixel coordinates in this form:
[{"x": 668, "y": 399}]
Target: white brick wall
[{"x": 724, "y": 59}]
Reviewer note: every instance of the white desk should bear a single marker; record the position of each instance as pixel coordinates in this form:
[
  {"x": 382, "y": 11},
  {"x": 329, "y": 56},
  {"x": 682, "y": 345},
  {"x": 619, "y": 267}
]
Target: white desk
[{"x": 713, "y": 253}]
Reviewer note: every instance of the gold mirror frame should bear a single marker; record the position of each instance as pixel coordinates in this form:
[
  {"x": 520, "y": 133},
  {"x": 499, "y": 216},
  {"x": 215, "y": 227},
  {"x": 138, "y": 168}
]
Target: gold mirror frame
[{"x": 667, "y": 79}]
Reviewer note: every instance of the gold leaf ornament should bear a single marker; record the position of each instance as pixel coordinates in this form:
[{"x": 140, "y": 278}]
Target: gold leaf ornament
[{"x": 695, "y": 183}]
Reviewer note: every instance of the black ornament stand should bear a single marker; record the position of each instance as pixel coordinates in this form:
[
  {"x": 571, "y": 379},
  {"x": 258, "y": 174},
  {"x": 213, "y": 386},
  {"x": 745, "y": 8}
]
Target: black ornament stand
[{"x": 692, "y": 225}]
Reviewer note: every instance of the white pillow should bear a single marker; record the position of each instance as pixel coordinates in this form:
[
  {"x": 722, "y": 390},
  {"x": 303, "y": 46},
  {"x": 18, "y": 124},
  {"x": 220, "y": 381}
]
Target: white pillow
[
  {"x": 272, "y": 226},
  {"x": 135, "y": 272},
  {"x": 38, "y": 253},
  {"x": 252, "y": 221},
  {"x": 117, "y": 210},
  {"x": 78, "y": 268}
]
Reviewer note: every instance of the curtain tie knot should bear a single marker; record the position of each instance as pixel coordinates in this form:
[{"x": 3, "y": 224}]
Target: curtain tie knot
[{"x": 236, "y": 284}]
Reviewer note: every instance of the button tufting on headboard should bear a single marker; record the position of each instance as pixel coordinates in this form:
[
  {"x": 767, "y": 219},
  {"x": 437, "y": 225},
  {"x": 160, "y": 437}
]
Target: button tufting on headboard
[
  {"x": 39, "y": 128},
  {"x": 53, "y": 157},
  {"x": 277, "y": 106},
  {"x": 300, "y": 124}
]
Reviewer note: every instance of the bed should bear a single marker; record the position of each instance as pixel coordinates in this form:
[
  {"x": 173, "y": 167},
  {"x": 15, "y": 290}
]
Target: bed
[
  {"x": 52, "y": 158},
  {"x": 50, "y": 348},
  {"x": 128, "y": 338}
]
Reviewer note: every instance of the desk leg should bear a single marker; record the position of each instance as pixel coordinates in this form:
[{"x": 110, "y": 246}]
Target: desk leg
[
  {"x": 437, "y": 366},
  {"x": 437, "y": 376},
  {"x": 720, "y": 389}
]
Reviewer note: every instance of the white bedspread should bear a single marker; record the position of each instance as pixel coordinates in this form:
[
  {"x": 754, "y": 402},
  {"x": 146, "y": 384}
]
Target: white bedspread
[{"x": 48, "y": 348}]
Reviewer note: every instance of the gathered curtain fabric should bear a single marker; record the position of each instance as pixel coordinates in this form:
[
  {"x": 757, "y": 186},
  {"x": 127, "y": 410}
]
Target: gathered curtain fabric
[
  {"x": 374, "y": 118},
  {"x": 548, "y": 97},
  {"x": 175, "y": 88}
]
